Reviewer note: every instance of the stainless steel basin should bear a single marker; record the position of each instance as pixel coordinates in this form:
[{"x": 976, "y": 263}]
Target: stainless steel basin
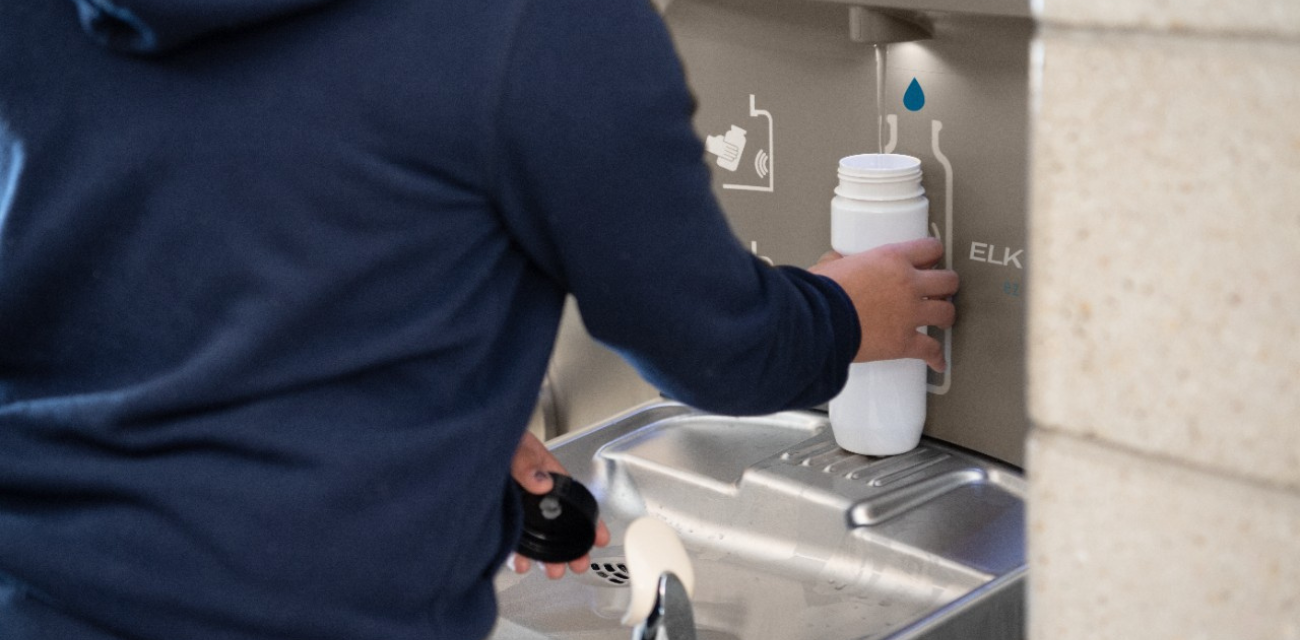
[{"x": 792, "y": 538}]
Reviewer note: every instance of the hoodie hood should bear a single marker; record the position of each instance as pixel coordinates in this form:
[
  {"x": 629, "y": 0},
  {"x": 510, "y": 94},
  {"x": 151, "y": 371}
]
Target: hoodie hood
[{"x": 150, "y": 27}]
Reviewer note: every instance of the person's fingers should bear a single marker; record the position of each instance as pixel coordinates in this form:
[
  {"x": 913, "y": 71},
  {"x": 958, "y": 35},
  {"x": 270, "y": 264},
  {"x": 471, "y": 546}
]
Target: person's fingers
[
  {"x": 922, "y": 252},
  {"x": 581, "y": 564},
  {"x": 602, "y": 539},
  {"x": 937, "y": 283},
  {"x": 936, "y": 313},
  {"x": 520, "y": 563},
  {"x": 928, "y": 349}
]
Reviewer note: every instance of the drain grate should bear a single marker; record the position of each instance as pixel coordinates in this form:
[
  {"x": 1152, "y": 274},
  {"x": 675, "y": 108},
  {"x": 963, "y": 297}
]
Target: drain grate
[
  {"x": 877, "y": 471},
  {"x": 611, "y": 571}
]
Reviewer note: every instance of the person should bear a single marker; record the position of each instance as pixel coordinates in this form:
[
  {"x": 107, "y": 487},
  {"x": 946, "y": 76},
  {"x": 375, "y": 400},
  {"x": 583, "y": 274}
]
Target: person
[{"x": 279, "y": 280}]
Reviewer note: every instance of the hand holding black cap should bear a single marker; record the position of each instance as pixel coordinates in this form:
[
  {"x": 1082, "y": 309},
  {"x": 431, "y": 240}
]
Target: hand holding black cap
[{"x": 559, "y": 526}]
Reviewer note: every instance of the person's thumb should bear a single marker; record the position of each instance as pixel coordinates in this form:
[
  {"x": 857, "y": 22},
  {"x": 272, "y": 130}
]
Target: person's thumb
[{"x": 529, "y": 467}]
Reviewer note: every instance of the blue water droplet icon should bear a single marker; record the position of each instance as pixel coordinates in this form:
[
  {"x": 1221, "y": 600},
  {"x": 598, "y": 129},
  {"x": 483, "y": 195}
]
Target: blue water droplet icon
[{"x": 914, "y": 98}]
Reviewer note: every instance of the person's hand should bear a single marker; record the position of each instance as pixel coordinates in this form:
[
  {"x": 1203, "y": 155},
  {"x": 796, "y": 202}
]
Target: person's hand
[
  {"x": 530, "y": 469},
  {"x": 895, "y": 290}
]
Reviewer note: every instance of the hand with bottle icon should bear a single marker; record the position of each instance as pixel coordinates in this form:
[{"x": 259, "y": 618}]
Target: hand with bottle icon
[{"x": 727, "y": 147}]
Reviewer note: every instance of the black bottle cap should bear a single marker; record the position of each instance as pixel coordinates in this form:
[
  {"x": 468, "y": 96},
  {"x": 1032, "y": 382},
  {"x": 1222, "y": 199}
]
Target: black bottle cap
[{"x": 561, "y": 525}]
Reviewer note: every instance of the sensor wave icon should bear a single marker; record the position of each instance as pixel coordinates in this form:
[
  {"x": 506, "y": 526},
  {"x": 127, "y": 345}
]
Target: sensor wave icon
[{"x": 761, "y": 163}]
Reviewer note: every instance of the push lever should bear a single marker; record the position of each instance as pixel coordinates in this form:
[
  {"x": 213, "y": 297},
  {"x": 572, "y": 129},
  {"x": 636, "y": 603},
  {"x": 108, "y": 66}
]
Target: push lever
[
  {"x": 672, "y": 617},
  {"x": 662, "y": 581}
]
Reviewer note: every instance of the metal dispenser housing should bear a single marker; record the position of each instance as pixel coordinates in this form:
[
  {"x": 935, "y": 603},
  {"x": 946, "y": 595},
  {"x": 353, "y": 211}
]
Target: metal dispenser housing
[
  {"x": 801, "y": 78},
  {"x": 811, "y": 81}
]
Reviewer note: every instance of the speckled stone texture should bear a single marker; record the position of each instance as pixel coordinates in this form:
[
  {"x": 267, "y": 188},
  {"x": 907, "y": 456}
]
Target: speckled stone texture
[
  {"x": 1166, "y": 198},
  {"x": 1124, "y": 548},
  {"x": 1233, "y": 17},
  {"x": 1164, "y": 321}
]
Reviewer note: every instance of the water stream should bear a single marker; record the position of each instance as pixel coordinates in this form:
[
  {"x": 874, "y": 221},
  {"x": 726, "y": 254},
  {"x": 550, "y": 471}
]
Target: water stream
[{"x": 881, "y": 53}]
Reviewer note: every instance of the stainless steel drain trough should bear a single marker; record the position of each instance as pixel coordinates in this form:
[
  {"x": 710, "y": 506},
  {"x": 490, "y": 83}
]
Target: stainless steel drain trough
[{"x": 791, "y": 537}]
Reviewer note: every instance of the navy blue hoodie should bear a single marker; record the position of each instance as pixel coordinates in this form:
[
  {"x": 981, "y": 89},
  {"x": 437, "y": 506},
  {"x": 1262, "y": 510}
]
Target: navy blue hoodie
[{"x": 279, "y": 281}]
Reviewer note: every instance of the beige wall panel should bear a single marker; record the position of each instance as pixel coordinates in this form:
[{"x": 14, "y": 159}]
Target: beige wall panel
[
  {"x": 1165, "y": 305},
  {"x": 1122, "y": 547},
  {"x": 1245, "y": 17}
]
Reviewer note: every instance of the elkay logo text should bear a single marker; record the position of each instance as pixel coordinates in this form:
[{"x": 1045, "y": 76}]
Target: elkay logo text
[{"x": 983, "y": 252}]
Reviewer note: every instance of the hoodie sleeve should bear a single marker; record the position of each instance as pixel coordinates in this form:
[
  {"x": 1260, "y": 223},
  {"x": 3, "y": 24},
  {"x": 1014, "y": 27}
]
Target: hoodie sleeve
[{"x": 602, "y": 182}]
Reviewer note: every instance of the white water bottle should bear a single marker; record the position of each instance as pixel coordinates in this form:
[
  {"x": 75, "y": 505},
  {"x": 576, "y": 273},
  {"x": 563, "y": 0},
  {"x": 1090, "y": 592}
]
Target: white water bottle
[{"x": 879, "y": 200}]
